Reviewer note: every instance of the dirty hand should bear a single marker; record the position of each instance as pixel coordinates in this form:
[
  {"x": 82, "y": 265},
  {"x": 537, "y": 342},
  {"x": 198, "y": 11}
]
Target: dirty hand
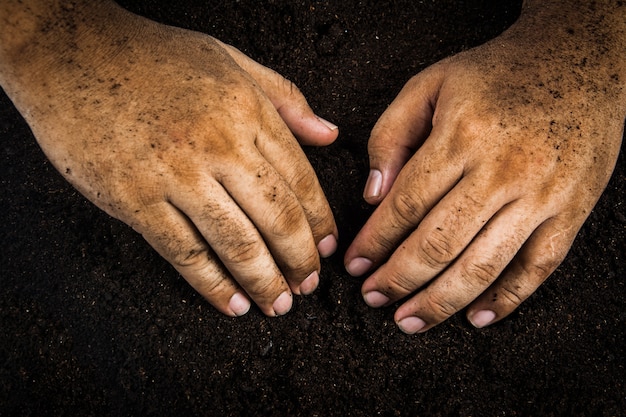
[
  {"x": 183, "y": 138},
  {"x": 487, "y": 164}
]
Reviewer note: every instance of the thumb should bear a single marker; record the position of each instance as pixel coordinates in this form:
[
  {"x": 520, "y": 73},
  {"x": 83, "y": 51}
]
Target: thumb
[
  {"x": 290, "y": 103},
  {"x": 400, "y": 131}
]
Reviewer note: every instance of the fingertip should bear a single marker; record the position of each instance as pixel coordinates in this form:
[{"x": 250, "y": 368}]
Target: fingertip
[
  {"x": 411, "y": 325},
  {"x": 282, "y": 305},
  {"x": 310, "y": 129},
  {"x": 239, "y": 304},
  {"x": 481, "y": 318},
  {"x": 358, "y": 266},
  {"x": 375, "y": 299},
  {"x": 310, "y": 284},
  {"x": 327, "y": 246},
  {"x": 331, "y": 126}
]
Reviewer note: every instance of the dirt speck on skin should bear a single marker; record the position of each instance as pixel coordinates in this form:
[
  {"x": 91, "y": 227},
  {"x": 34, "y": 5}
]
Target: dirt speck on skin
[{"x": 94, "y": 322}]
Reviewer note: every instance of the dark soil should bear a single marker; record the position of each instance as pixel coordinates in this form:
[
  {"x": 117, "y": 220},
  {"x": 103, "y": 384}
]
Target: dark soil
[{"x": 94, "y": 322}]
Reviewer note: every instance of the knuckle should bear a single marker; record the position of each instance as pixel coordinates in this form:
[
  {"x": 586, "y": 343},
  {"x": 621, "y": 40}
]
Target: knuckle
[
  {"x": 310, "y": 203},
  {"x": 541, "y": 265},
  {"x": 436, "y": 250},
  {"x": 265, "y": 291},
  {"x": 194, "y": 257},
  {"x": 474, "y": 127},
  {"x": 242, "y": 251},
  {"x": 537, "y": 269},
  {"x": 479, "y": 273},
  {"x": 439, "y": 306},
  {"x": 381, "y": 142},
  {"x": 213, "y": 287},
  {"x": 287, "y": 220},
  {"x": 512, "y": 295},
  {"x": 407, "y": 208},
  {"x": 304, "y": 182},
  {"x": 300, "y": 269},
  {"x": 384, "y": 241},
  {"x": 321, "y": 221},
  {"x": 401, "y": 284},
  {"x": 244, "y": 99}
]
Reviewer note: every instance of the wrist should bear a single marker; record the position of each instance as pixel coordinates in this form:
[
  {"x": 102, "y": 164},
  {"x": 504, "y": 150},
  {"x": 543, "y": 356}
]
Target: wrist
[
  {"x": 39, "y": 37},
  {"x": 596, "y": 27},
  {"x": 581, "y": 40}
]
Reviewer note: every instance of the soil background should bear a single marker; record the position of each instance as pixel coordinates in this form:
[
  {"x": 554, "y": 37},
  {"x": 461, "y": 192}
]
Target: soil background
[{"x": 94, "y": 322}]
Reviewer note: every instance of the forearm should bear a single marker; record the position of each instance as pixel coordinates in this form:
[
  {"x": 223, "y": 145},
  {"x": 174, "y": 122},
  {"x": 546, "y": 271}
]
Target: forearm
[{"x": 601, "y": 22}]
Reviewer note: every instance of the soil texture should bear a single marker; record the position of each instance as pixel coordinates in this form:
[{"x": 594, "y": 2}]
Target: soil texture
[{"x": 93, "y": 322}]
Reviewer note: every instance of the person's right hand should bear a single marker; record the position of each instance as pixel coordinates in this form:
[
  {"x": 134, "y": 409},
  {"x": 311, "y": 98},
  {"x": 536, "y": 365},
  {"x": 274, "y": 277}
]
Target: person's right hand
[{"x": 186, "y": 140}]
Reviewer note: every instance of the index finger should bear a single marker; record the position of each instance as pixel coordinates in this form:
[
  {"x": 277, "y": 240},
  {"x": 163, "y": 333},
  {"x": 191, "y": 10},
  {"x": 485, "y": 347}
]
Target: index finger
[
  {"x": 281, "y": 150},
  {"x": 423, "y": 181}
]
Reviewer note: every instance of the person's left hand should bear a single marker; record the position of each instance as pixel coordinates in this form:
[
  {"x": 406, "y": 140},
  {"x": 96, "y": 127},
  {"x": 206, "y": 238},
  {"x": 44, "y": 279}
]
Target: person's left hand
[{"x": 485, "y": 168}]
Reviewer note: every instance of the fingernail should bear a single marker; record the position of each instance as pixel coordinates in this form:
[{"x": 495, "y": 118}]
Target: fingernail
[
  {"x": 239, "y": 304},
  {"x": 358, "y": 266},
  {"x": 374, "y": 184},
  {"x": 411, "y": 325},
  {"x": 482, "y": 318},
  {"x": 282, "y": 305},
  {"x": 328, "y": 124},
  {"x": 375, "y": 299},
  {"x": 310, "y": 284},
  {"x": 327, "y": 246}
]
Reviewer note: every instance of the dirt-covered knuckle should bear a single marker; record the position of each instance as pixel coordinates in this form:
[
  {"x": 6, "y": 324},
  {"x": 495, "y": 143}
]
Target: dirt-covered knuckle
[
  {"x": 400, "y": 282},
  {"x": 286, "y": 220},
  {"x": 479, "y": 273},
  {"x": 436, "y": 250},
  {"x": 298, "y": 268},
  {"x": 381, "y": 242},
  {"x": 381, "y": 144},
  {"x": 213, "y": 286},
  {"x": 510, "y": 296},
  {"x": 241, "y": 252},
  {"x": 431, "y": 74},
  {"x": 265, "y": 291},
  {"x": 306, "y": 187},
  {"x": 407, "y": 208},
  {"x": 304, "y": 182},
  {"x": 438, "y": 306},
  {"x": 539, "y": 265},
  {"x": 244, "y": 100},
  {"x": 321, "y": 221},
  {"x": 181, "y": 256}
]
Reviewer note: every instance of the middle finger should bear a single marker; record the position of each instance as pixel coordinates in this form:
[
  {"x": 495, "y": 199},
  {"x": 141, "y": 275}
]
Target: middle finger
[{"x": 438, "y": 240}]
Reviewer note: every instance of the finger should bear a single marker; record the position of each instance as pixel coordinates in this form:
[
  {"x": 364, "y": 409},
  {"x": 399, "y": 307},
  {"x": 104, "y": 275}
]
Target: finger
[
  {"x": 535, "y": 262},
  {"x": 425, "y": 180},
  {"x": 276, "y": 211},
  {"x": 439, "y": 239},
  {"x": 177, "y": 240},
  {"x": 288, "y": 159},
  {"x": 401, "y": 129},
  {"x": 236, "y": 241},
  {"x": 472, "y": 273},
  {"x": 288, "y": 101}
]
